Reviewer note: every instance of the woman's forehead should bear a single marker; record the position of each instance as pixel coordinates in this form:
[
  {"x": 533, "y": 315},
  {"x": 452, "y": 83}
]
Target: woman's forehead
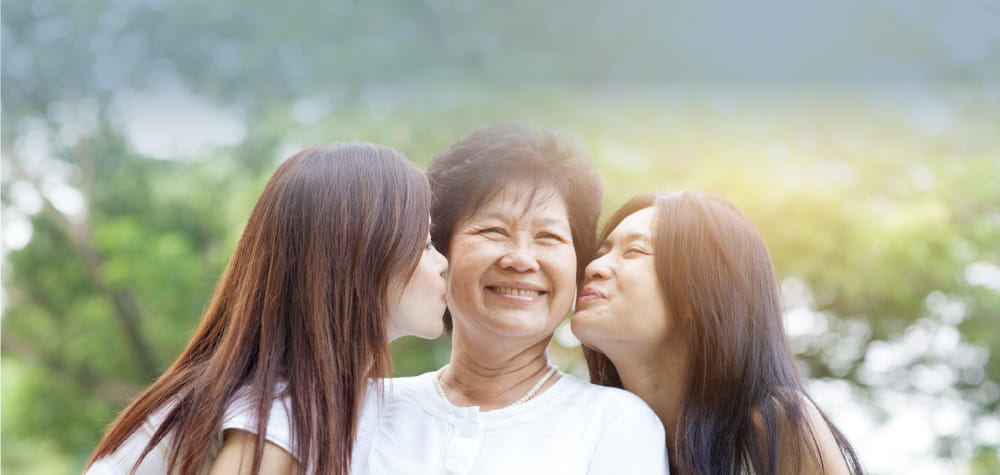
[
  {"x": 522, "y": 200},
  {"x": 636, "y": 226}
]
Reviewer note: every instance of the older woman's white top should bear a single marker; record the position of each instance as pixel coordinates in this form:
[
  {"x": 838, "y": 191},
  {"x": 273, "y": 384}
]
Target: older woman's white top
[{"x": 574, "y": 427}]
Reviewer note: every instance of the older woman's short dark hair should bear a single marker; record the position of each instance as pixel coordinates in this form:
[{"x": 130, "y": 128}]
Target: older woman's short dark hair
[{"x": 482, "y": 163}]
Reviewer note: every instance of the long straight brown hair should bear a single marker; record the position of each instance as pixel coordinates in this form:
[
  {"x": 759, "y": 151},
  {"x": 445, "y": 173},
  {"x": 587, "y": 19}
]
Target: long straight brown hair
[
  {"x": 304, "y": 301},
  {"x": 742, "y": 387}
]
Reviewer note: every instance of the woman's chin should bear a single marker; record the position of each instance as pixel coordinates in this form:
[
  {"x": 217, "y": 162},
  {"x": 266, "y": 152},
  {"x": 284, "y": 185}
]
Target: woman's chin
[
  {"x": 585, "y": 326},
  {"x": 432, "y": 332}
]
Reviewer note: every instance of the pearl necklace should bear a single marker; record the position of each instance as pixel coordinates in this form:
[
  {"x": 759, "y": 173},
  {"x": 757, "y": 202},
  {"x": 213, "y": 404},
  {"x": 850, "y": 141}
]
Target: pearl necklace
[{"x": 527, "y": 396}]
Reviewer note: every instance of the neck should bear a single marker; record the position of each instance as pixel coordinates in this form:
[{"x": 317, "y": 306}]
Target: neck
[
  {"x": 493, "y": 376},
  {"x": 656, "y": 375}
]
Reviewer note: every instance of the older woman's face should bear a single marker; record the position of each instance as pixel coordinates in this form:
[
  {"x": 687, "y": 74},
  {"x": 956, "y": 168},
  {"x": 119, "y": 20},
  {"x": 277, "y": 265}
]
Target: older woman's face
[
  {"x": 513, "y": 266},
  {"x": 621, "y": 300}
]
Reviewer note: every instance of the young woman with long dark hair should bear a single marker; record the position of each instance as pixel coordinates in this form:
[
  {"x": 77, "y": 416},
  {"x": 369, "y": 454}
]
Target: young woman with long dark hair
[
  {"x": 681, "y": 306},
  {"x": 335, "y": 261}
]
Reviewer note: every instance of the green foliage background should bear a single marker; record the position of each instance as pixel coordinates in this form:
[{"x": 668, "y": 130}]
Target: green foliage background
[{"x": 862, "y": 139}]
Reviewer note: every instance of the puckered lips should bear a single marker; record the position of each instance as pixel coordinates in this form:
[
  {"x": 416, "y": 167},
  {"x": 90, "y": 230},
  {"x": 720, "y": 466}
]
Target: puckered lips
[
  {"x": 590, "y": 294},
  {"x": 517, "y": 292}
]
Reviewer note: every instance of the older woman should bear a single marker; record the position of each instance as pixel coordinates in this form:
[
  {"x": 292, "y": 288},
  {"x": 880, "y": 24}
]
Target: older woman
[
  {"x": 514, "y": 209},
  {"x": 681, "y": 306}
]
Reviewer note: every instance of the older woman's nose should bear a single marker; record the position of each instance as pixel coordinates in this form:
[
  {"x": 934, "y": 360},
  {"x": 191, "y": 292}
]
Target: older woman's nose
[{"x": 520, "y": 259}]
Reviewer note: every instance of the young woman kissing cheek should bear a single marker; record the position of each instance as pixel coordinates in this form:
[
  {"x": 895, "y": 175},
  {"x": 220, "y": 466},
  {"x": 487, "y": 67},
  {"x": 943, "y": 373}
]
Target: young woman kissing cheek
[
  {"x": 419, "y": 302},
  {"x": 620, "y": 305}
]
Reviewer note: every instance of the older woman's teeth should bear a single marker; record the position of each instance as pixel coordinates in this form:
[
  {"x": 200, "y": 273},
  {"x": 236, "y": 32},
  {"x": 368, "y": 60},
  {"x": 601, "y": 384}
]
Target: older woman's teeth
[{"x": 518, "y": 292}]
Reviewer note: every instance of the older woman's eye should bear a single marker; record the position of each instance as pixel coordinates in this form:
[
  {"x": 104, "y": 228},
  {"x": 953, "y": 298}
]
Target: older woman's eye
[
  {"x": 493, "y": 231},
  {"x": 551, "y": 237}
]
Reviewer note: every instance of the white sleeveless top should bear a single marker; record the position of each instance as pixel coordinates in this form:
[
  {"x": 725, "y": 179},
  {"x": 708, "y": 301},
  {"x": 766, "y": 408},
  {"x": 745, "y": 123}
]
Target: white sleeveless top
[{"x": 239, "y": 415}]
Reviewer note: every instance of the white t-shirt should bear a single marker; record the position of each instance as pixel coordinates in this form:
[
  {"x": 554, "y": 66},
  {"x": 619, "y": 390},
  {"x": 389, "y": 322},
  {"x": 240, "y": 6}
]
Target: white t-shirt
[
  {"x": 571, "y": 428},
  {"x": 239, "y": 415}
]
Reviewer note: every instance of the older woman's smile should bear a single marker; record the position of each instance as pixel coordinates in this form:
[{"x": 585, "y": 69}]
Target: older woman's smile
[{"x": 517, "y": 291}]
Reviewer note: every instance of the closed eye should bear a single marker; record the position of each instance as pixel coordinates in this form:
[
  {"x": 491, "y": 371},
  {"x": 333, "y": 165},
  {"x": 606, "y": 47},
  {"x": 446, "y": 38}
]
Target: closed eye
[
  {"x": 493, "y": 231},
  {"x": 551, "y": 237},
  {"x": 634, "y": 251}
]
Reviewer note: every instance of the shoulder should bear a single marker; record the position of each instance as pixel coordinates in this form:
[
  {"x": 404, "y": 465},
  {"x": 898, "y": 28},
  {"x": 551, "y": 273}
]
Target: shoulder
[
  {"x": 245, "y": 402},
  {"x": 797, "y": 449},
  {"x": 605, "y": 398},
  {"x": 406, "y": 383},
  {"x": 407, "y": 389},
  {"x": 829, "y": 450},
  {"x": 236, "y": 456},
  {"x": 128, "y": 453},
  {"x": 242, "y": 414},
  {"x": 399, "y": 399},
  {"x": 609, "y": 409},
  {"x": 630, "y": 437}
]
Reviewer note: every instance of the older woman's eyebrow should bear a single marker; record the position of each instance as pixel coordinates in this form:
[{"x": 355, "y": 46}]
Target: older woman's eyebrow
[
  {"x": 504, "y": 217},
  {"x": 549, "y": 221},
  {"x": 490, "y": 215}
]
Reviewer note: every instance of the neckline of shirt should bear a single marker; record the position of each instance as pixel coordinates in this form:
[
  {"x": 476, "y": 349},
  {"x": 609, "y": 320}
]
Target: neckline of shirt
[{"x": 438, "y": 406}]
